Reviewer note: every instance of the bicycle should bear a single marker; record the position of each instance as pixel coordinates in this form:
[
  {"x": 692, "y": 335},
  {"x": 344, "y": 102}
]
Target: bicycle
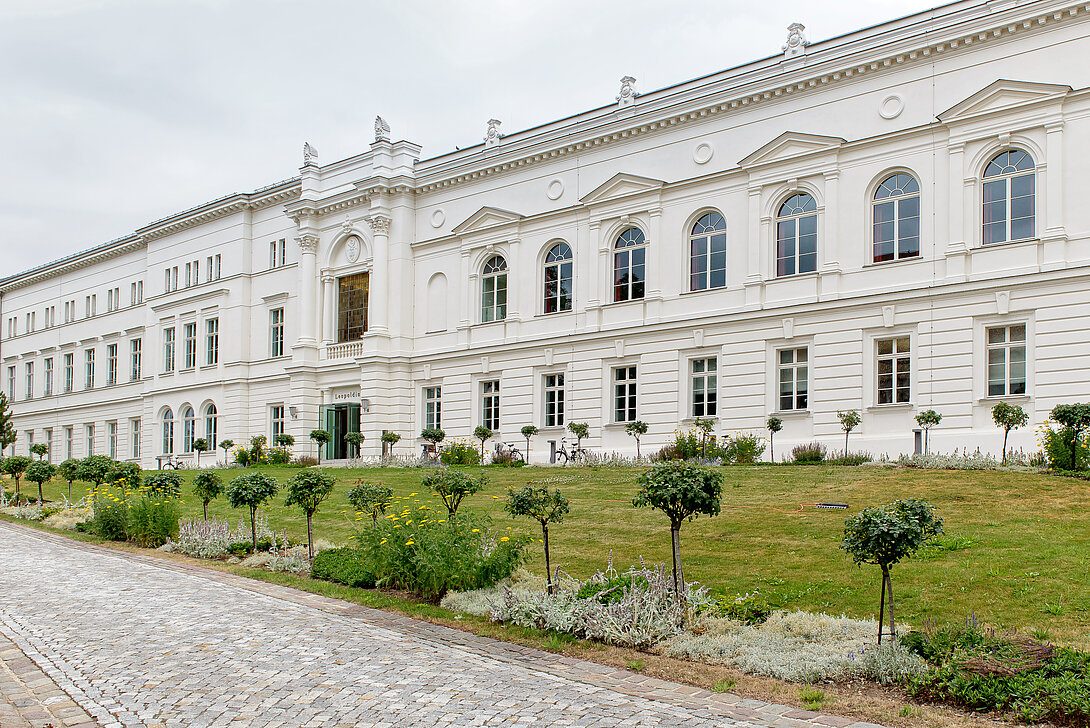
[
  {"x": 172, "y": 464},
  {"x": 575, "y": 454},
  {"x": 508, "y": 450}
]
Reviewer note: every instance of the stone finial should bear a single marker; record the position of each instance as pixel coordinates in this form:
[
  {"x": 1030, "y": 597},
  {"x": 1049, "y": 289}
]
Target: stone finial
[
  {"x": 796, "y": 41},
  {"x": 310, "y": 154},
  {"x": 628, "y": 93},
  {"x": 382, "y": 130},
  {"x": 493, "y": 136}
]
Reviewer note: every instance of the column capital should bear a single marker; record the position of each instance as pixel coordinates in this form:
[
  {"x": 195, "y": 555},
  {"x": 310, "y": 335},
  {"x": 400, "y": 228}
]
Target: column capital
[
  {"x": 380, "y": 224},
  {"x": 308, "y": 243}
]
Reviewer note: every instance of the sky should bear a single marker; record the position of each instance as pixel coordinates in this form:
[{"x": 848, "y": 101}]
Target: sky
[{"x": 116, "y": 113}]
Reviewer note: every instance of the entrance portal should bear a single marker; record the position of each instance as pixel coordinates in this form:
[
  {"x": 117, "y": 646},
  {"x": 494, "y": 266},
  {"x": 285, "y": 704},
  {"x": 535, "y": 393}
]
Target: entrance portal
[{"x": 339, "y": 420}]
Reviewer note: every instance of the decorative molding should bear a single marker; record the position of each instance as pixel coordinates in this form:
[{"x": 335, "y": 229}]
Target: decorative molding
[
  {"x": 438, "y": 218},
  {"x": 789, "y": 328},
  {"x": 698, "y": 338},
  {"x": 619, "y": 185},
  {"x": 628, "y": 93},
  {"x": 796, "y": 41},
  {"x": 888, "y": 315},
  {"x": 548, "y": 357},
  {"x": 310, "y": 154},
  {"x": 308, "y": 243},
  {"x": 789, "y": 145},
  {"x": 493, "y": 135},
  {"x": 1002, "y": 95},
  {"x": 618, "y": 346},
  {"x": 382, "y": 130},
  {"x": 1003, "y": 302},
  {"x": 555, "y": 189},
  {"x": 486, "y": 217},
  {"x": 703, "y": 153},
  {"x": 891, "y": 106},
  {"x": 380, "y": 224}
]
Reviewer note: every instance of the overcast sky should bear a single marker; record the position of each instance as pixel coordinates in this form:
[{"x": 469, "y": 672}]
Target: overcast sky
[{"x": 115, "y": 113}]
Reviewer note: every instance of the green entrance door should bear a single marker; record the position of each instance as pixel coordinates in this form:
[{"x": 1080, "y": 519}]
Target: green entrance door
[{"x": 339, "y": 419}]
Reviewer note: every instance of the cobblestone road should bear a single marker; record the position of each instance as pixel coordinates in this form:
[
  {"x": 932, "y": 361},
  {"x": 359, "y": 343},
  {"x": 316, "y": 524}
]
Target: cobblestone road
[{"x": 138, "y": 641}]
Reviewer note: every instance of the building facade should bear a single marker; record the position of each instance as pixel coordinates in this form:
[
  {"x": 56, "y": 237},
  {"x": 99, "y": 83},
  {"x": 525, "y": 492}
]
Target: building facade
[{"x": 889, "y": 221}]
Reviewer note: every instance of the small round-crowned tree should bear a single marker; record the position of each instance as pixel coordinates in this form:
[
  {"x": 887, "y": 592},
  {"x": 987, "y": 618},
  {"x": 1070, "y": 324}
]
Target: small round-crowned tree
[
  {"x": 354, "y": 440},
  {"x": 207, "y": 485},
  {"x": 926, "y": 420},
  {"x": 636, "y": 430},
  {"x": 94, "y": 469},
  {"x": 40, "y": 472},
  {"x": 370, "y": 498},
  {"x": 528, "y": 431},
  {"x": 15, "y": 466},
  {"x": 200, "y": 445},
  {"x": 320, "y": 437},
  {"x": 1077, "y": 417},
  {"x": 40, "y": 449},
  {"x": 774, "y": 425},
  {"x": 682, "y": 492},
  {"x": 251, "y": 491},
  {"x": 226, "y": 445},
  {"x": 884, "y": 535},
  {"x": 284, "y": 440},
  {"x": 69, "y": 470},
  {"x": 580, "y": 430},
  {"x": 848, "y": 421},
  {"x": 307, "y": 489},
  {"x": 389, "y": 439},
  {"x": 452, "y": 486},
  {"x": 483, "y": 434},
  {"x": 126, "y": 476},
  {"x": 1009, "y": 417},
  {"x": 545, "y": 507}
]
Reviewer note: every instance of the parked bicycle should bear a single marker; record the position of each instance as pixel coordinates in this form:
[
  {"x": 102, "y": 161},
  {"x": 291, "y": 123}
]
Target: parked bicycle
[
  {"x": 573, "y": 454},
  {"x": 506, "y": 450},
  {"x": 171, "y": 463}
]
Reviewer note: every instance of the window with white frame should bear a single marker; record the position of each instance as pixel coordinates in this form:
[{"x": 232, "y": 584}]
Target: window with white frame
[
  {"x": 168, "y": 432},
  {"x": 69, "y": 372},
  {"x": 189, "y": 429},
  {"x": 1006, "y": 360},
  {"x": 277, "y": 417},
  {"x": 49, "y": 444},
  {"x": 134, "y": 434},
  {"x": 89, "y": 369},
  {"x": 135, "y": 356},
  {"x": 89, "y": 432},
  {"x": 189, "y": 337},
  {"x": 1009, "y": 197},
  {"x": 277, "y": 253},
  {"x": 111, "y": 364},
  {"x": 29, "y": 374},
  {"x": 704, "y": 387},
  {"x": 708, "y": 253},
  {"x": 490, "y": 404},
  {"x": 433, "y": 407},
  {"x": 896, "y": 218},
  {"x": 277, "y": 332},
  {"x": 168, "y": 349},
  {"x": 216, "y": 267},
  {"x": 554, "y": 400},
  {"x": 494, "y": 289},
  {"x": 212, "y": 341},
  {"x": 796, "y": 235},
  {"x": 352, "y": 297},
  {"x": 624, "y": 394},
  {"x": 111, "y": 440},
  {"x": 208, "y": 269},
  {"x": 629, "y": 265},
  {"x": 793, "y": 371},
  {"x": 11, "y": 384},
  {"x": 558, "y": 278},
  {"x": 68, "y": 443},
  {"x": 894, "y": 367},
  {"x": 211, "y": 425},
  {"x": 48, "y": 376}
]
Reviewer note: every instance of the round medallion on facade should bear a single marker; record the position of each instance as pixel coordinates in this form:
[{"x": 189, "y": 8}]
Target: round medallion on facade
[
  {"x": 352, "y": 249},
  {"x": 703, "y": 153},
  {"x": 555, "y": 189},
  {"x": 438, "y": 218},
  {"x": 891, "y": 106}
]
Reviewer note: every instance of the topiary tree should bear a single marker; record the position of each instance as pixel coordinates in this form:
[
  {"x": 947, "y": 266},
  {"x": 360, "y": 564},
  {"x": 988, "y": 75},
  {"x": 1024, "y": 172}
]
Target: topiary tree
[
  {"x": 580, "y": 430},
  {"x": 200, "y": 445},
  {"x": 848, "y": 421},
  {"x": 1009, "y": 417},
  {"x": 69, "y": 470},
  {"x": 483, "y": 434},
  {"x": 124, "y": 475},
  {"x": 884, "y": 535},
  {"x": 284, "y": 440},
  {"x": 528, "y": 431},
  {"x": 94, "y": 469},
  {"x": 371, "y": 499},
  {"x": 389, "y": 439},
  {"x": 453, "y": 486},
  {"x": 637, "y": 430},
  {"x": 251, "y": 490},
  {"x": 355, "y": 440},
  {"x": 774, "y": 425},
  {"x": 681, "y": 491},
  {"x": 8, "y": 433},
  {"x": 307, "y": 489},
  {"x": 15, "y": 466},
  {"x": 226, "y": 445},
  {"x": 705, "y": 425},
  {"x": 40, "y": 449},
  {"x": 320, "y": 437},
  {"x": 40, "y": 472},
  {"x": 207, "y": 485},
  {"x": 543, "y": 506},
  {"x": 926, "y": 419},
  {"x": 257, "y": 449},
  {"x": 1077, "y": 418},
  {"x": 163, "y": 484},
  {"x": 433, "y": 435}
]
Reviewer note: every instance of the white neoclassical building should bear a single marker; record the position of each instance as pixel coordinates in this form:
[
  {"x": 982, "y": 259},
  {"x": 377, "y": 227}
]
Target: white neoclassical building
[{"x": 889, "y": 221}]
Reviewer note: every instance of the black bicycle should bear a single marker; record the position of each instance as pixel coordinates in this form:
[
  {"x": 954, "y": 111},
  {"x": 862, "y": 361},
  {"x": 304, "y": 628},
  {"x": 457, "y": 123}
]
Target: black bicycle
[{"x": 574, "y": 454}]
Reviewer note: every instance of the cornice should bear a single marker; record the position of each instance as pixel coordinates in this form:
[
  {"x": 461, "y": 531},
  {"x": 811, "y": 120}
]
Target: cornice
[
  {"x": 279, "y": 193},
  {"x": 108, "y": 251}
]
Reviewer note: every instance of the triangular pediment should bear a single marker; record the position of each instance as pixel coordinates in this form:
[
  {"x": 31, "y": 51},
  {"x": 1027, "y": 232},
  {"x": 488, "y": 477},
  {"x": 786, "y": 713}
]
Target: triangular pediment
[
  {"x": 1003, "y": 95},
  {"x": 621, "y": 185},
  {"x": 791, "y": 144},
  {"x": 486, "y": 217}
]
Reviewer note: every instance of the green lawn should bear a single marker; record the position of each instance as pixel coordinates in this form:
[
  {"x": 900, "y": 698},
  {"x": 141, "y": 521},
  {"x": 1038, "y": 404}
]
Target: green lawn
[{"x": 1027, "y": 563}]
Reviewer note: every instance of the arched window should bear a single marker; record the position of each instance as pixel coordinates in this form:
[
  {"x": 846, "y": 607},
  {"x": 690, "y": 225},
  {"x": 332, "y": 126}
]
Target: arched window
[
  {"x": 708, "y": 253},
  {"x": 629, "y": 261},
  {"x": 1009, "y": 198},
  {"x": 211, "y": 426},
  {"x": 168, "y": 433},
  {"x": 494, "y": 289},
  {"x": 558, "y": 274},
  {"x": 896, "y": 223},
  {"x": 796, "y": 236},
  {"x": 189, "y": 427}
]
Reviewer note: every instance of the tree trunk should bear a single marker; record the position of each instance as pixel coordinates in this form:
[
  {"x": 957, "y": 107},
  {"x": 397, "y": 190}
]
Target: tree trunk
[
  {"x": 253, "y": 525},
  {"x": 69, "y": 491},
  {"x": 548, "y": 563},
  {"x": 882, "y": 605},
  {"x": 206, "y": 510},
  {"x": 527, "y": 458},
  {"x": 892, "y": 624},
  {"x": 925, "y": 431},
  {"x": 1074, "y": 450},
  {"x": 637, "y": 448},
  {"x": 310, "y": 538},
  {"x": 1005, "y": 433},
  {"x": 320, "y": 452},
  {"x": 198, "y": 460},
  {"x": 679, "y": 576},
  {"x": 846, "y": 433},
  {"x": 39, "y": 494},
  {"x": 772, "y": 447}
]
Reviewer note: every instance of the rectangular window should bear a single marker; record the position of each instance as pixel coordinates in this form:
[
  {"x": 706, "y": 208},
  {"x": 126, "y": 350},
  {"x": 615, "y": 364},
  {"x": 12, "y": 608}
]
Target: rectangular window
[
  {"x": 30, "y": 380},
  {"x": 196, "y": 272},
  {"x": 89, "y": 369},
  {"x": 140, "y": 292},
  {"x": 276, "y": 333},
  {"x": 554, "y": 400},
  {"x": 705, "y": 387},
  {"x": 111, "y": 364},
  {"x": 11, "y": 384},
  {"x": 624, "y": 394},
  {"x": 168, "y": 349},
  {"x": 189, "y": 332},
  {"x": 352, "y": 307},
  {"x": 277, "y": 421},
  {"x": 212, "y": 341},
  {"x": 68, "y": 438},
  {"x": 1007, "y": 360},
  {"x": 188, "y": 273},
  {"x": 794, "y": 378},
  {"x": 135, "y": 356},
  {"x": 216, "y": 266},
  {"x": 132, "y": 293},
  {"x": 111, "y": 439},
  {"x": 433, "y": 407},
  {"x": 89, "y": 431},
  {"x": 49, "y": 445},
  {"x": 208, "y": 269},
  {"x": 49, "y": 377},
  {"x": 277, "y": 253},
  {"x": 894, "y": 370},
  {"x": 490, "y": 404},
  {"x": 69, "y": 372},
  {"x": 134, "y": 430}
]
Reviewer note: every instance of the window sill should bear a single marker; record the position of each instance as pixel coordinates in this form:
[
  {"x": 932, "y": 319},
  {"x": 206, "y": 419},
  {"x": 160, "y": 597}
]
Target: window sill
[
  {"x": 884, "y": 263},
  {"x": 899, "y": 406},
  {"x": 791, "y": 413},
  {"x": 187, "y": 370},
  {"x": 617, "y": 425},
  {"x": 621, "y": 303},
  {"x": 710, "y": 289},
  {"x": 1007, "y": 398},
  {"x": 793, "y": 276},
  {"x": 989, "y": 246}
]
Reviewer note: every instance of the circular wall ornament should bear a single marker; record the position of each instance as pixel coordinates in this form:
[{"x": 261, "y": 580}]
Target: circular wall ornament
[
  {"x": 352, "y": 249},
  {"x": 438, "y": 218},
  {"x": 703, "y": 153},
  {"x": 555, "y": 189},
  {"x": 891, "y": 106}
]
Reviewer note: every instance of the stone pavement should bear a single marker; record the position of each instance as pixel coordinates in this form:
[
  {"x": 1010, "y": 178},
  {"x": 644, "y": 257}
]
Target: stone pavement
[{"x": 134, "y": 640}]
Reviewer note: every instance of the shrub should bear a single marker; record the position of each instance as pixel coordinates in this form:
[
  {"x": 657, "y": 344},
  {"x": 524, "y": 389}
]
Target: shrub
[
  {"x": 612, "y": 590},
  {"x": 743, "y": 448},
  {"x": 751, "y": 608},
  {"x": 355, "y": 441},
  {"x": 40, "y": 449},
  {"x": 69, "y": 470},
  {"x": 694, "y": 444},
  {"x": 279, "y": 455},
  {"x": 1074, "y": 417},
  {"x": 164, "y": 484},
  {"x": 433, "y": 435},
  {"x": 126, "y": 476},
  {"x": 204, "y": 539},
  {"x": 111, "y": 517},
  {"x": 344, "y": 566},
  {"x": 251, "y": 491},
  {"x": 1058, "y": 442},
  {"x": 459, "y": 453},
  {"x": 452, "y": 487},
  {"x": 320, "y": 437},
  {"x": 15, "y": 466},
  {"x": 507, "y": 459},
  {"x": 40, "y": 472},
  {"x": 207, "y": 485},
  {"x": 307, "y": 489},
  {"x": 955, "y": 461},
  {"x": 851, "y": 458},
  {"x": 153, "y": 520},
  {"x": 810, "y": 452},
  {"x": 305, "y": 461},
  {"x": 370, "y": 498},
  {"x": 542, "y": 506}
]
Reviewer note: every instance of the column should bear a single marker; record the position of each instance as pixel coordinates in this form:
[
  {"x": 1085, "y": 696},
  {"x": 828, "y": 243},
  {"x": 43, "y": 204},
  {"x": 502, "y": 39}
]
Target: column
[
  {"x": 329, "y": 308},
  {"x": 380, "y": 278},
  {"x": 308, "y": 294}
]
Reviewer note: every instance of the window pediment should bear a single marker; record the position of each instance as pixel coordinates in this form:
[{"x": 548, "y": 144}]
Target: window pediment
[
  {"x": 486, "y": 217},
  {"x": 619, "y": 185},
  {"x": 1002, "y": 96},
  {"x": 789, "y": 145}
]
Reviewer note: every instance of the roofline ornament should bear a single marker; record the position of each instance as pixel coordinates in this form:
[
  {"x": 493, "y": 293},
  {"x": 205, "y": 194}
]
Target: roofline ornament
[
  {"x": 628, "y": 93},
  {"x": 493, "y": 135},
  {"x": 796, "y": 41},
  {"x": 310, "y": 154},
  {"x": 382, "y": 130}
]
